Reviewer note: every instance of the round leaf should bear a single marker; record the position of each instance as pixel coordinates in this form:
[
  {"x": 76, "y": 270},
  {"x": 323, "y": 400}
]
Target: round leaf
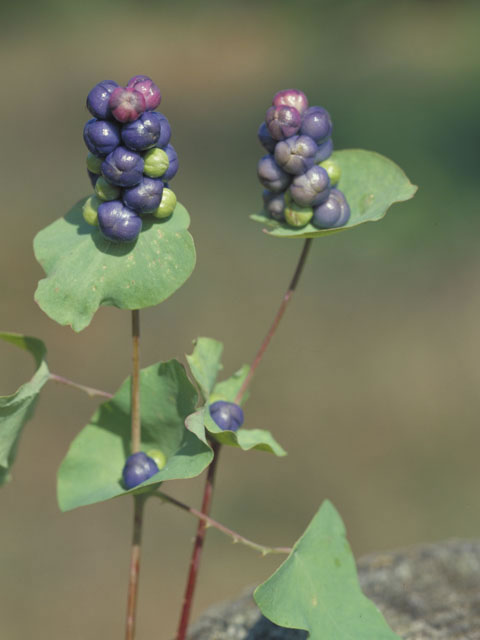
[
  {"x": 370, "y": 182},
  {"x": 85, "y": 271}
]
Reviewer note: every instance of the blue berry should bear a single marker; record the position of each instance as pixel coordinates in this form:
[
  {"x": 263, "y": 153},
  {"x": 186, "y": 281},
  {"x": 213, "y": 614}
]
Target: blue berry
[
  {"x": 138, "y": 468},
  {"x": 296, "y": 155},
  {"x": 126, "y": 105},
  {"x": 123, "y": 167},
  {"x": 98, "y": 98},
  {"x": 101, "y": 136},
  {"x": 324, "y": 151},
  {"x": 143, "y": 133},
  {"x": 226, "y": 415},
  {"x": 291, "y": 98},
  {"x": 317, "y": 124},
  {"x": 333, "y": 213},
  {"x": 271, "y": 175},
  {"x": 311, "y": 188},
  {"x": 145, "y": 197},
  {"x": 173, "y": 163},
  {"x": 283, "y": 122},
  {"x": 117, "y": 222},
  {"x": 265, "y": 138},
  {"x": 149, "y": 90},
  {"x": 274, "y": 204},
  {"x": 165, "y": 132}
]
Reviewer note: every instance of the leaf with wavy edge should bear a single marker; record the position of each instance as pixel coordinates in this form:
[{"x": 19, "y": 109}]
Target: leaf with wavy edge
[
  {"x": 18, "y": 408},
  {"x": 84, "y": 270},
  {"x": 370, "y": 182}
]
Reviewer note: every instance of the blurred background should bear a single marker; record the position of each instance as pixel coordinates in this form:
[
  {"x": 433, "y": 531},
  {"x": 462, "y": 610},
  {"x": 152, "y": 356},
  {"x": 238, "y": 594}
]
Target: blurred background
[{"x": 371, "y": 383}]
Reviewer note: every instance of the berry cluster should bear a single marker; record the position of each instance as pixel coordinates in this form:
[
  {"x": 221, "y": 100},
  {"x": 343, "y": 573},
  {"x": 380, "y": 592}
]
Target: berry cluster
[
  {"x": 298, "y": 174},
  {"x": 130, "y": 160}
]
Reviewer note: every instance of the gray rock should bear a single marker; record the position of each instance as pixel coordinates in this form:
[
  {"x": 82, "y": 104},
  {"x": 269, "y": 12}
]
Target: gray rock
[{"x": 427, "y": 592}]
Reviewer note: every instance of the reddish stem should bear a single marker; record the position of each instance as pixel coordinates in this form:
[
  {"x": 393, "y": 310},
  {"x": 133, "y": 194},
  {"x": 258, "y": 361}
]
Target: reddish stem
[
  {"x": 139, "y": 502},
  {"x": 276, "y": 320},
  {"x": 198, "y": 546}
]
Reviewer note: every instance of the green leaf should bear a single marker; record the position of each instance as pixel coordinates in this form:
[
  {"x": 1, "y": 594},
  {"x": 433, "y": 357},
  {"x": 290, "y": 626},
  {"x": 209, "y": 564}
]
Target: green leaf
[
  {"x": 370, "y": 182},
  {"x": 245, "y": 439},
  {"x": 85, "y": 271},
  {"x": 228, "y": 389},
  {"x": 205, "y": 363},
  {"x": 317, "y": 588},
  {"x": 92, "y": 469},
  {"x": 17, "y": 409}
]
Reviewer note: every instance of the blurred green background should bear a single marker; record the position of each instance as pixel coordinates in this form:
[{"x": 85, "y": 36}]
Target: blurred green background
[{"x": 372, "y": 381}]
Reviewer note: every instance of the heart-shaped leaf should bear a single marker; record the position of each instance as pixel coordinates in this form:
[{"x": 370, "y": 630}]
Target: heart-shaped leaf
[
  {"x": 85, "y": 271},
  {"x": 370, "y": 182},
  {"x": 92, "y": 469},
  {"x": 205, "y": 363},
  {"x": 317, "y": 588},
  {"x": 18, "y": 408}
]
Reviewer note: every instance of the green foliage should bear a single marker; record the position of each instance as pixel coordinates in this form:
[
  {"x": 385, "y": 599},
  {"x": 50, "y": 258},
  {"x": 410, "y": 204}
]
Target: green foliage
[
  {"x": 205, "y": 364},
  {"x": 18, "y": 408},
  {"x": 92, "y": 469},
  {"x": 317, "y": 589},
  {"x": 85, "y": 271},
  {"x": 371, "y": 183}
]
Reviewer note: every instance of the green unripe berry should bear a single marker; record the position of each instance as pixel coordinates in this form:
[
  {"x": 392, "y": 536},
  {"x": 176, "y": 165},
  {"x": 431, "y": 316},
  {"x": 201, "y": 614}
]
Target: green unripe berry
[
  {"x": 158, "y": 456},
  {"x": 333, "y": 169},
  {"x": 90, "y": 210},
  {"x": 156, "y": 163},
  {"x": 94, "y": 163},
  {"x": 167, "y": 205},
  {"x": 106, "y": 191},
  {"x": 297, "y": 216}
]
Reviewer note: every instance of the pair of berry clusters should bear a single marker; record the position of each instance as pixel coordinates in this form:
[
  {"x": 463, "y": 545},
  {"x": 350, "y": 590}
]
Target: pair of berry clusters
[
  {"x": 298, "y": 174},
  {"x": 130, "y": 160}
]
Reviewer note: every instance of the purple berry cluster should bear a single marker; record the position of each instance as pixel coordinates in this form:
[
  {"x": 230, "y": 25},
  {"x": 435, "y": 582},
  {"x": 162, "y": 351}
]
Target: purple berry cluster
[
  {"x": 298, "y": 173},
  {"x": 130, "y": 160}
]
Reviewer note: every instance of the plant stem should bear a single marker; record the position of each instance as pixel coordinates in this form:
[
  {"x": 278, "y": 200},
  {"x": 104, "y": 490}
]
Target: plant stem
[
  {"x": 136, "y": 431},
  {"x": 139, "y": 500},
  {"x": 207, "y": 495},
  {"x": 198, "y": 546},
  {"x": 89, "y": 390},
  {"x": 276, "y": 320},
  {"x": 210, "y": 522}
]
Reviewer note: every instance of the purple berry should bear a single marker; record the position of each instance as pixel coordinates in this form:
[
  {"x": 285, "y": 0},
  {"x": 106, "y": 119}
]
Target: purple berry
[
  {"x": 317, "y": 124},
  {"x": 145, "y": 197},
  {"x": 149, "y": 90},
  {"x": 296, "y": 155},
  {"x": 265, "y": 138},
  {"x": 271, "y": 175},
  {"x": 123, "y": 167},
  {"x": 98, "y": 98},
  {"x": 283, "y": 122},
  {"x": 311, "y": 188},
  {"x": 291, "y": 98},
  {"x": 165, "y": 132},
  {"x": 101, "y": 136},
  {"x": 173, "y": 163},
  {"x": 93, "y": 178},
  {"x": 138, "y": 468},
  {"x": 143, "y": 133},
  {"x": 274, "y": 204},
  {"x": 126, "y": 105},
  {"x": 117, "y": 222},
  {"x": 333, "y": 213},
  {"x": 226, "y": 415},
  {"x": 324, "y": 151}
]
